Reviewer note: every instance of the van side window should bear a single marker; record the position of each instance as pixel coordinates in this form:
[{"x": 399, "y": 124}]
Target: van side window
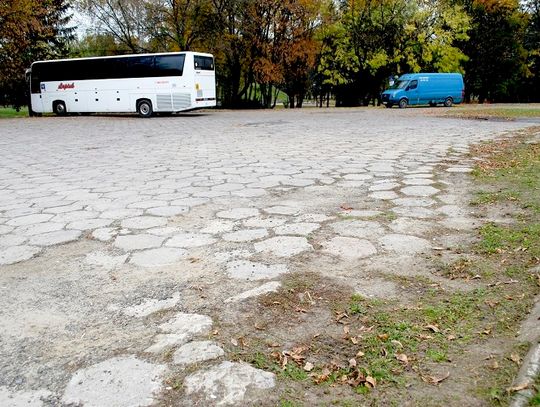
[{"x": 413, "y": 85}]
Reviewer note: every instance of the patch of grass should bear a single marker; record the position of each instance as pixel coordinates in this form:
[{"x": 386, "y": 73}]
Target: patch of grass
[
  {"x": 515, "y": 238},
  {"x": 289, "y": 403},
  {"x": 10, "y": 113},
  {"x": 483, "y": 198},
  {"x": 493, "y": 111}
]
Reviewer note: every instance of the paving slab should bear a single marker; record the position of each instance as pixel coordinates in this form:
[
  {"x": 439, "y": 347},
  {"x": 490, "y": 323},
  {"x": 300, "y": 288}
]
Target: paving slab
[
  {"x": 249, "y": 270},
  {"x": 54, "y": 238},
  {"x": 349, "y": 248},
  {"x": 196, "y": 352},
  {"x": 284, "y": 246},
  {"x": 245, "y": 235},
  {"x": 188, "y": 240},
  {"x": 138, "y": 242},
  {"x": 159, "y": 257},
  {"x": 117, "y": 382},
  {"x": 404, "y": 244},
  {"x": 227, "y": 383}
]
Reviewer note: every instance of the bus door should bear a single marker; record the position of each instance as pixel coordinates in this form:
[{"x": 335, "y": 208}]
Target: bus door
[
  {"x": 35, "y": 101},
  {"x": 205, "y": 78}
]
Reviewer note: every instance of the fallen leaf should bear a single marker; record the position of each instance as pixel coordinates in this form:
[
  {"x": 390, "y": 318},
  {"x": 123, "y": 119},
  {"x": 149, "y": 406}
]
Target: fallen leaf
[
  {"x": 494, "y": 365},
  {"x": 435, "y": 379},
  {"x": 397, "y": 343},
  {"x": 234, "y": 342},
  {"x": 274, "y": 345},
  {"x": 371, "y": 381},
  {"x": 402, "y": 358},
  {"x": 215, "y": 332},
  {"x": 433, "y": 328},
  {"x": 519, "y": 387},
  {"x": 276, "y": 303},
  {"x": 359, "y": 354},
  {"x": 425, "y": 337},
  {"x": 323, "y": 376},
  {"x": 354, "y": 340},
  {"x": 451, "y": 337},
  {"x": 515, "y": 358},
  {"x": 301, "y": 310},
  {"x": 352, "y": 362},
  {"x": 259, "y": 328},
  {"x": 383, "y": 337},
  {"x": 308, "y": 367}
]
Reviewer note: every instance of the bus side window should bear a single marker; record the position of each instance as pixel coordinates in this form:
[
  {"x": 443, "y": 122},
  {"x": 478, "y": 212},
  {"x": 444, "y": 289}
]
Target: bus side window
[{"x": 170, "y": 65}]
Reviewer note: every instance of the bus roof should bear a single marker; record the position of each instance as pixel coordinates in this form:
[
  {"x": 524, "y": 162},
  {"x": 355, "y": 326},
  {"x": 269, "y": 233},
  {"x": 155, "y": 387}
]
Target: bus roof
[{"x": 123, "y": 56}]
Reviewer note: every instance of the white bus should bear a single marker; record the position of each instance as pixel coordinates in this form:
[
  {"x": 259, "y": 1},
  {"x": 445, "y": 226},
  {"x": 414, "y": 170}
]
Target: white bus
[{"x": 142, "y": 83}]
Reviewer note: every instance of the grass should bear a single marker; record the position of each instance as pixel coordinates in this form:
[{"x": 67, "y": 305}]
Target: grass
[
  {"x": 10, "y": 113},
  {"x": 504, "y": 112}
]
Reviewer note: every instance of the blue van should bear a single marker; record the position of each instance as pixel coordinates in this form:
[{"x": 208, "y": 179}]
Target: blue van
[{"x": 424, "y": 89}]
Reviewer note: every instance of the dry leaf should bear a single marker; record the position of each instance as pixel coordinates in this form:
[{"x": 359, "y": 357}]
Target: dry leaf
[
  {"x": 259, "y": 328},
  {"x": 494, "y": 365},
  {"x": 515, "y": 358},
  {"x": 346, "y": 330},
  {"x": 359, "y": 354},
  {"x": 354, "y": 340},
  {"x": 402, "y": 358},
  {"x": 234, "y": 342},
  {"x": 435, "y": 379},
  {"x": 371, "y": 381},
  {"x": 323, "y": 376},
  {"x": 308, "y": 367},
  {"x": 274, "y": 345},
  {"x": 519, "y": 387},
  {"x": 425, "y": 337},
  {"x": 383, "y": 337},
  {"x": 397, "y": 343},
  {"x": 451, "y": 337},
  {"x": 352, "y": 362},
  {"x": 433, "y": 328}
]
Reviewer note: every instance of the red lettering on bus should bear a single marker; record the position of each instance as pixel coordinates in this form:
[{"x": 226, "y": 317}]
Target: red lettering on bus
[{"x": 64, "y": 86}]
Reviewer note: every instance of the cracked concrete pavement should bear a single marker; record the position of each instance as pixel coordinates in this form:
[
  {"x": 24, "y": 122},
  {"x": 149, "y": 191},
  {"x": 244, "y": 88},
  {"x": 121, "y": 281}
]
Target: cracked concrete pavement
[{"x": 112, "y": 227}]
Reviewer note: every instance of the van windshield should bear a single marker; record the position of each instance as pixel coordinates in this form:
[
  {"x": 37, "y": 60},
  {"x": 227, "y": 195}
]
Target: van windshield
[{"x": 399, "y": 85}]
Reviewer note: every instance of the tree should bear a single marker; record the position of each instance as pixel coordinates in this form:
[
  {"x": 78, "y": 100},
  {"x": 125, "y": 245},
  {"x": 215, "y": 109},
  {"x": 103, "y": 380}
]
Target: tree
[
  {"x": 125, "y": 20},
  {"x": 29, "y": 30},
  {"x": 530, "y": 90},
  {"x": 497, "y": 58}
]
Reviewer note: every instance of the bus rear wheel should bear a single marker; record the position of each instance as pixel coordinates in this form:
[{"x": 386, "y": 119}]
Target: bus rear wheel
[
  {"x": 59, "y": 108},
  {"x": 144, "y": 108}
]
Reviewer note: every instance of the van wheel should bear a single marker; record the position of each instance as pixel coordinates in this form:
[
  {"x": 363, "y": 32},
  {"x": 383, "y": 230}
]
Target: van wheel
[
  {"x": 144, "y": 108},
  {"x": 403, "y": 103},
  {"x": 389, "y": 105},
  {"x": 59, "y": 108},
  {"x": 448, "y": 102}
]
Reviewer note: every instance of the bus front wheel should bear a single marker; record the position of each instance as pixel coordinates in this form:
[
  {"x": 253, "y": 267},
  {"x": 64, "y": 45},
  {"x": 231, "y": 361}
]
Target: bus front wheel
[
  {"x": 59, "y": 108},
  {"x": 144, "y": 108}
]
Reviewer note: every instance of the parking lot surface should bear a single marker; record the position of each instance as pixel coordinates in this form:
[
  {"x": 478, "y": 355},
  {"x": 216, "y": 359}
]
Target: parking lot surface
[{"x": 126, "y": 243}]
